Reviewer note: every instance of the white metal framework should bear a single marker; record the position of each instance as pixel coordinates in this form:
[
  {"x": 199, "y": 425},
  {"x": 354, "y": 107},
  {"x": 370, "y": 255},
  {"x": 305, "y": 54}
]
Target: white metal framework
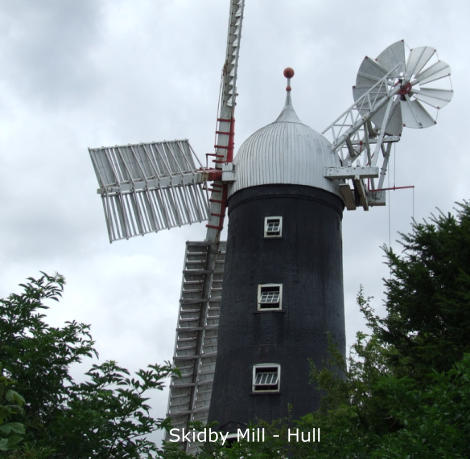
[
  {"x": 272, "y": 227},
  {"x": 148, "y": 187},
  {"x": 389, "y": 94},
  {"x": 266, "y": 378},
  {"x": 196, "y": 334},
  {"x": 269, "y": 297}
]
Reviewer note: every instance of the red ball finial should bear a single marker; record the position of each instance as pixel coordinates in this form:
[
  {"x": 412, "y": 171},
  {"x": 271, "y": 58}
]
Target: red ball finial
[{"x": 288, "y": 72}]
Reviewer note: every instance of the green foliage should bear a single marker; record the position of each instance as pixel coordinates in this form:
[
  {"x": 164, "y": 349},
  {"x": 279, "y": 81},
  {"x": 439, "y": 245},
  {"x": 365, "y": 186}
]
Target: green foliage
[
  {"x": 105, "y": 416},
  {"x": 11, "y": 406},
  {"x": 108, "y": 415},
  {"x": 36, "y": 355},
  {"x": 435, "y": 418},
  {"x": 428, "y": 296}
]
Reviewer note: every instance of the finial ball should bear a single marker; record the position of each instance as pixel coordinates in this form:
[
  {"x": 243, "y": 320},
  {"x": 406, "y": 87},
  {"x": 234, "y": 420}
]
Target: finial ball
[{"x": 288, "y": 72}]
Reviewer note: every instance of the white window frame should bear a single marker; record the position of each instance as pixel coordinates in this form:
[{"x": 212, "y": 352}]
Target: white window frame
[
  {"x": 266, "y": 220},
  {"x": 275, "y": 306},
  {"x": 257, "y": 388}
]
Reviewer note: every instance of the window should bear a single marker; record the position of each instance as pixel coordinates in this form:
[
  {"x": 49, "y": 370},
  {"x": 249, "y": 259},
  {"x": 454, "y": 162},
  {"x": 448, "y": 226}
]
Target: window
[
  {"x": 272, "y": 227},
  {"x": 269, "y": 297},
  {"x": 266, "y": 377}
]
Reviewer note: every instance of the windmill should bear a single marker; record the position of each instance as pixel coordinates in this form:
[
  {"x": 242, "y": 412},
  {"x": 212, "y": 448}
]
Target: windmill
[{"x": 243, "y": 354}]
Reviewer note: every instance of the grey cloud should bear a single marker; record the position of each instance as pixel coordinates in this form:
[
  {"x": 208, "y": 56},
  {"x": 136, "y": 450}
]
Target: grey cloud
[{"x": 46, "y": 47}]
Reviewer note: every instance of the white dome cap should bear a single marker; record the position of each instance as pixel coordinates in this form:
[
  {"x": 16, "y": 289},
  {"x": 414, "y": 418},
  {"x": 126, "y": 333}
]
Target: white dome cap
[{"x": 286, "y": 151}]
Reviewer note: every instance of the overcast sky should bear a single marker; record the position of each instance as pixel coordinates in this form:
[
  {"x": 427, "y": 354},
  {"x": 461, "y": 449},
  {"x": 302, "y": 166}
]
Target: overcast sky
[{"x": 86, "y": 73}]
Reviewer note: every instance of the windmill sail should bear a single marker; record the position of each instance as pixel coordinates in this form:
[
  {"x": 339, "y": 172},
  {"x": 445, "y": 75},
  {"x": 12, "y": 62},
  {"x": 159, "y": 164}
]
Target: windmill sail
[
  {"x": 225, "y": 130},
  {"x": 148, "y": 187},
  {"x": 196, "y": 333}
]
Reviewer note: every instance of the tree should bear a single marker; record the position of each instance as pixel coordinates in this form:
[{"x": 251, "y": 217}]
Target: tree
[
  {"x": 106, "y": 416},
  {"x": 428, "y": 296}
]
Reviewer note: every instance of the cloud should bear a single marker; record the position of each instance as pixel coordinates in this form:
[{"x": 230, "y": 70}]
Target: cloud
[{"x": 47, "y": 46}]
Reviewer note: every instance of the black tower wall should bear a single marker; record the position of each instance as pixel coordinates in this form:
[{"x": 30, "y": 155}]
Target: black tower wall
[{"x": 307, "y": 260}]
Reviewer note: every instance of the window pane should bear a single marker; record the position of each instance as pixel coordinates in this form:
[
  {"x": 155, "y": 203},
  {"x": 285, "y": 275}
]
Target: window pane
[
  {"x": 270, "y": 296},
  {"x": 273, "y": 227},
  {"x": 266, "y": 377}
]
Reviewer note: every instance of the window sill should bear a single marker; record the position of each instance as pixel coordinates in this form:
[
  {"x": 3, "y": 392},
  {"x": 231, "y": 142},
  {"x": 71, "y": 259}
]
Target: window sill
[
  {"x": 276, "y": 311},
  {"x": 266, "y": 393}
]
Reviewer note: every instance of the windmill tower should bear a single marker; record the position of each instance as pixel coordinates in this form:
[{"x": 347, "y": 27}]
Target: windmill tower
[
  {"x": 254, "y": 309},
  {"x": 283, "y": 280}
]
